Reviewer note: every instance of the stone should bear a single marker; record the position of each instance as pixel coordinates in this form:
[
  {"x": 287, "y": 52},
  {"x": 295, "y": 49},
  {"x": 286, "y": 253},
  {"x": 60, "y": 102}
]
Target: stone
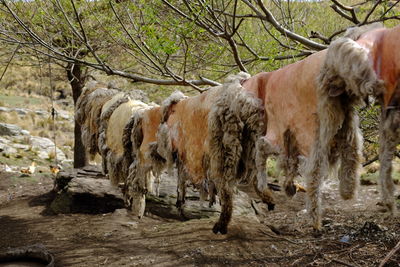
[
  {"x": 87, "y": 190},
  {"x": 7, "y": 149},
  {"x": 67, "y": 162},
  {"x": 62, "y": 179},
  {"x": 45, "y": 148},
  {"x": 25, "y": 132},
  {"x": 41, "y": 112},
  {"x": 43, "y": 154},
  {"x": 96, "y": 187},
  {"x": 88, "y": 195},
  {"x": 63, "y": 115},
  {"x": 4, "y": 109},
  {"x": 21, "y": 146},
  {"x": 164, "y": 204},
  {"x": 32, "y": 255},
  {"x": 41, "y": 142},
  {"x": 7, "y": 129},
  {"x": 21, "y": 111},
  {"x": 4, "y": 140}
]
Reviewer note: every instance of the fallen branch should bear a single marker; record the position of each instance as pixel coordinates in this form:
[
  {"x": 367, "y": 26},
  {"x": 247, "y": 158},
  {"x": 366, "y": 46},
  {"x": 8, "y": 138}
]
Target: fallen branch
[
  {"x": 389, "y": 255},
  {"x": 280, "y": 238},
  {"x": 368, "y": 162},
  {"x": 343, "y": 263}
]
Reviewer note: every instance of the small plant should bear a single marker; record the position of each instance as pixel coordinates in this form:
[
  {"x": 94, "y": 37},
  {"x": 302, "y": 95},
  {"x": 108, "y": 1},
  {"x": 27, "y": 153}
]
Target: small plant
[
  {"x": 43, "y": 123},
  {"x": 51, "y": 155},
  {"x": 32, "y": 116},
  {"x": 43, "y": 133},
  {"x": 13, "y": 117},
  {"x": 369, "y": 178},
  {"x": 26, "y": 140},
  {"x": 272, "y": 168},
  {"x": 3, "y": 117},
  {"x": 69, "y": 143}
]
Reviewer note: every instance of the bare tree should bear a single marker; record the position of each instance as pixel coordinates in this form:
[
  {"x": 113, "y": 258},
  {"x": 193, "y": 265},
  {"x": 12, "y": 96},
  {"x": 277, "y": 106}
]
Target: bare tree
[
  {"x": 179, "y": 42},
  {"x": 164, "y": 38}
]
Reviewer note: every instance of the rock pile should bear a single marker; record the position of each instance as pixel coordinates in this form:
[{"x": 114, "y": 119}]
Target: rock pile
[{"x": 15, "y": 141}]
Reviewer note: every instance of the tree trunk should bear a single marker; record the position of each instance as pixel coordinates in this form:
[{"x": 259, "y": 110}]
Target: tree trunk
[{"x": 77, "y": 82}]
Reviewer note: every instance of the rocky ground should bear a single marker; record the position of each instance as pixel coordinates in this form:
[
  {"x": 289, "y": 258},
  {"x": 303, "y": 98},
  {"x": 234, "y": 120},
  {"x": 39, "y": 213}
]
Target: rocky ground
[
  {"x": 29, "y": 135},
  {"x": 355, "y": 233}
]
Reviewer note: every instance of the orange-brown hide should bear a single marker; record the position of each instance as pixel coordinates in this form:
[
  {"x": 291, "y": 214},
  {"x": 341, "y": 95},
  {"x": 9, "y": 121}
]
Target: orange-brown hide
[
  {"x": 188, "y": 124},
  {"x": 150, "y": 122},
  {"x": 384, "y": 46},
  {"x": 290, "y": 101}
]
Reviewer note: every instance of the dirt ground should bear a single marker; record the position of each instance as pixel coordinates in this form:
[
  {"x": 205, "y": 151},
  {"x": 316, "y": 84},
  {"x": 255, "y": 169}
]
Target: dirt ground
[{"x": 356, "y": 233}]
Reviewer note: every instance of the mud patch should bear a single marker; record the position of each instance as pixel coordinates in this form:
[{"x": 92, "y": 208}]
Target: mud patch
[{"x": 117, "y": 239}]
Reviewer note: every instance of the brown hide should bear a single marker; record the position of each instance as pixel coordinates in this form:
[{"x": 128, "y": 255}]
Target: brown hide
[
  {"x": 385, "y": 53},
  {"x": 188, "y": 124},
  {"x": 206, "y": 133},
  {"x": 150, "y": 122},
  {"x": 289, "y": 94},
  {"x": 141, "y": 135},
  {"x": 290, "y": 101},
  {"x": 382, "y": 46},
  {"x": 362, "y": 63}
]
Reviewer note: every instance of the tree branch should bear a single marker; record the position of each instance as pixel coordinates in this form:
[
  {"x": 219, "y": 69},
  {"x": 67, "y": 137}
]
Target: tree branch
[
  {"x": 387, "y": 11},
  {"x": 132, "y": 39},
  {"x": 317, "y": 35},
  {"x": 9, "y": 62},
  {"x": 344, "y": 15},
  {"x": 371, "y": 11},
  {"x": 338, "y": 7},
  {"x": 271, "y": 19},
  {"x": 51, "y": 51}
]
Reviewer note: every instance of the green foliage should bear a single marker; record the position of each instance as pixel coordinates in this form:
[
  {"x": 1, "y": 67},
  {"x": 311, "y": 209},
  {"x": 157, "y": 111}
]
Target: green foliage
[
  {"x": 369, "y": 118},
  {"x": 272, "y": 168},
  {"x": 13, "y": 101}
]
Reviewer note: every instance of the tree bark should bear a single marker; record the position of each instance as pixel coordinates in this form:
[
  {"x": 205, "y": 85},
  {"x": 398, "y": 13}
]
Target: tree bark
[{"x": 77, "y": 81}]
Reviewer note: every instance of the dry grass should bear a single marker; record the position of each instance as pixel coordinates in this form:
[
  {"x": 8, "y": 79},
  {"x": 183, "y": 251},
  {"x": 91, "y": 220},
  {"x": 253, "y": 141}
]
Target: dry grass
[
  {"x": 43, "y": 126},
  {"x": 23, "y": 77}
]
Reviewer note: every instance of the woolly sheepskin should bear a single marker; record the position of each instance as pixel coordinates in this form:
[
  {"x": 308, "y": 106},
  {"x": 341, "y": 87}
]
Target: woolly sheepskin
[
  {"x": 114, "y": 137},
  {"x": 88, "y": 111},
  {"x": 203, "y": 136},
  {"x": 347, "y": 77}
]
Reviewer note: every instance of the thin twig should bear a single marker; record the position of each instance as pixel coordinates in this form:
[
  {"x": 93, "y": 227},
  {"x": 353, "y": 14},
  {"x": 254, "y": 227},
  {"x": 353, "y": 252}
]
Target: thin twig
[
  {"x": 343, "y": 263},
  {"x": 390, "y": 8},
  {"x": 132, "y": 39},
  {"x": 371, "y": 11},
  {"x": 368, "y": 162},
  {"x": 268, "y": 16},
  {"x": 343, "y": 14},
  {"x": 9, "y": 62},
  {"x": 280, "y": 237},
  {"x": 349, "y": 9}
]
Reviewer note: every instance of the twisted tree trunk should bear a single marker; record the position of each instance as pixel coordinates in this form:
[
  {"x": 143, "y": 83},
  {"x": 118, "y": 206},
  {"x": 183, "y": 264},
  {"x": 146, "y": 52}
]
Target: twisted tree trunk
[{"x": 77, "y": 79}]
